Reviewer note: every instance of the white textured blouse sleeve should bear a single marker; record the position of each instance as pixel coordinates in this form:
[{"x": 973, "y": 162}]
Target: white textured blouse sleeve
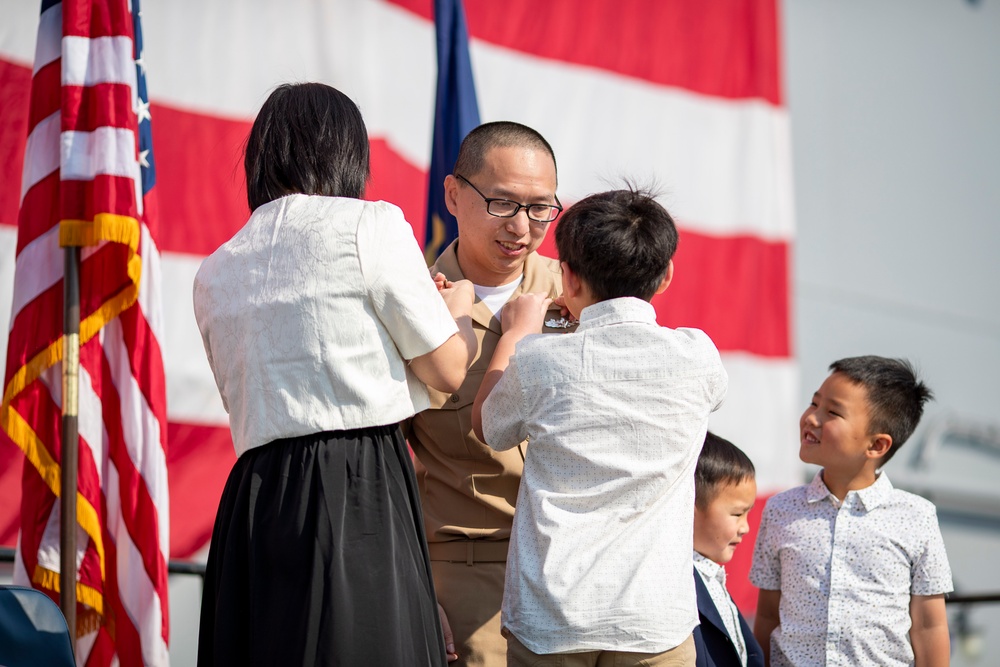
[{"x": 403, "y": 294}]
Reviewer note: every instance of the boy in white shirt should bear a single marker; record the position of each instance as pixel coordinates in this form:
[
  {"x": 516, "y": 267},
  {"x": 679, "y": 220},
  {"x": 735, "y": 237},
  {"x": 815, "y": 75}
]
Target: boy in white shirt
[
  {"x": 852, "y": 571},
  {"x": 600, "y": 558}
]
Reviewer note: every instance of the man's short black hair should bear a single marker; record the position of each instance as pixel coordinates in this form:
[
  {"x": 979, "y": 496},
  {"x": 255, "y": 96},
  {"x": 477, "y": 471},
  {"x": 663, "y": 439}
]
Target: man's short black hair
[
  {"x": 498, "y": 134},
  {"x": 308, "y": 138},
  {"x": 619, "y": 243},
  {"x": 720, "y": 463},
  {"x": 896, "y": 397}
]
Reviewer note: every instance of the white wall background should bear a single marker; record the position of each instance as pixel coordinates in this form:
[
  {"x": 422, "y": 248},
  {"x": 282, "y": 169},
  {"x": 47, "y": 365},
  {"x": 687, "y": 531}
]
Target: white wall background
[{"x": 895, "y": 108}]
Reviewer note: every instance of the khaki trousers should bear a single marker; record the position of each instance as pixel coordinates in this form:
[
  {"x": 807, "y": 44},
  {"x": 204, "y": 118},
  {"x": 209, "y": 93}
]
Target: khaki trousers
[
  {"x": 471, "y": 596},
  {"x": 679, "y": 656}
]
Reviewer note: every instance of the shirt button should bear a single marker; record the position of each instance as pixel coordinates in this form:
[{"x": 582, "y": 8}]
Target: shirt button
[{"x": 454, "y": 398}]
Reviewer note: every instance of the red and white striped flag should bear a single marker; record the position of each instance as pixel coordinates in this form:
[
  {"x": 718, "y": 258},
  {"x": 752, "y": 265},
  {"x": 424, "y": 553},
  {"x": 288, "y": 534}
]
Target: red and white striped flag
[{"x": 86, "y": 182}]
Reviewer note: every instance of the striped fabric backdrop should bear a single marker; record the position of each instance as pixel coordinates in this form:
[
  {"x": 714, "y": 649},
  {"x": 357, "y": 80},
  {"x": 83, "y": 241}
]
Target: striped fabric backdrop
[
  {"x": 85, "y": 182},
  {"x": 683, "y": 95}
]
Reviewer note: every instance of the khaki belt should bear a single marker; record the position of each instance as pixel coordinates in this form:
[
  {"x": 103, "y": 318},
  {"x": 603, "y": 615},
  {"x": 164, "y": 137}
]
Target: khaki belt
[{"x": 470, "y": 551}]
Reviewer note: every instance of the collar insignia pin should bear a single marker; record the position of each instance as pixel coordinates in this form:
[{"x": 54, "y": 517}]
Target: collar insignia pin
[{"x": 561, "y": 323}]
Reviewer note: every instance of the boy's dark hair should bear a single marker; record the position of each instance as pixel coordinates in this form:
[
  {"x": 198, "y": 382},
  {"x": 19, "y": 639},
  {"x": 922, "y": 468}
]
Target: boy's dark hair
[
  {"x": 308, "y": 138},
  {"x": 498, "y": 134},
  {"x": 720, "y": 463},
  {"x": 619, "y": 243},
  {"x": 896, "y": 396}
]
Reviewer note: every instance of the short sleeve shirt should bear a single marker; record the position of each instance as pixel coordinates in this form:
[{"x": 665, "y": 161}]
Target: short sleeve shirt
[
  {"x": 615, "y": 415},
  {"x": 846, "y": 572},
  {"x": 309, "y": 314}
]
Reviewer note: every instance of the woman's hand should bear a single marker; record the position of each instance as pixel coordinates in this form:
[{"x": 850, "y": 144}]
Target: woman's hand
[{"x": 458, "y": 296}]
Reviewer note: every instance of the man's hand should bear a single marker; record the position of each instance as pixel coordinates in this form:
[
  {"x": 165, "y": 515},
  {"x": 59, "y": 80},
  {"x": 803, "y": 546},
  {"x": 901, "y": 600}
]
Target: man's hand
[
  {"x": 525, "y": 315},
  {"x": 449, "y": 639}
]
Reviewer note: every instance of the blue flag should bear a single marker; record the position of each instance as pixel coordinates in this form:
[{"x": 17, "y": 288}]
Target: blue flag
[{"x": 456, "y": 113}]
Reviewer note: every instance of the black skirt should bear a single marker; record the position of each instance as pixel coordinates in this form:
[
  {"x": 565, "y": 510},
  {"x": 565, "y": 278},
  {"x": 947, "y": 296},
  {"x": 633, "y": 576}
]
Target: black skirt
[{"x": 318, "y": 557}]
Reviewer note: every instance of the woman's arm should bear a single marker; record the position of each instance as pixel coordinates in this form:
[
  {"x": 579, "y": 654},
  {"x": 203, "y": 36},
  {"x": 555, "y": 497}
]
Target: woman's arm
[{"x": 444, "y": 368}]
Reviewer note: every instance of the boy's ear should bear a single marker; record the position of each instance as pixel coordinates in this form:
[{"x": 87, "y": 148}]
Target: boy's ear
[
  {"x": 880, "y": 445},
  {"x": 571, "y": 281},
  {"x": 665, "y": 283}
]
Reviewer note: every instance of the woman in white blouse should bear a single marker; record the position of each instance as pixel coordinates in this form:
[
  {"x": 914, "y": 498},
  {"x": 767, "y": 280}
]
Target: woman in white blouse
[{"x": 322, "y": 326}]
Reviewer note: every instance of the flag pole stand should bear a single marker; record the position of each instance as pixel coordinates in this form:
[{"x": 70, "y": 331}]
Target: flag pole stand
[{"x": 70, "y": 436}]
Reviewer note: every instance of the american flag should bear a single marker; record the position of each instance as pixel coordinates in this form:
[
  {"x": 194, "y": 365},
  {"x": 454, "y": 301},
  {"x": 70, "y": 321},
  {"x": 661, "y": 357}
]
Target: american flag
[
  {"x": 686, "y": 94},
  {"x": 88, "y": 181}
]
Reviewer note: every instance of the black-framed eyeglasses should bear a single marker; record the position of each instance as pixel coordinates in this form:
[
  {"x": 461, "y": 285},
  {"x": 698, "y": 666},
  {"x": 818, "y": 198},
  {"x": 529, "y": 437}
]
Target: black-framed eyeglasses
[{"x": 505, "y": 208}]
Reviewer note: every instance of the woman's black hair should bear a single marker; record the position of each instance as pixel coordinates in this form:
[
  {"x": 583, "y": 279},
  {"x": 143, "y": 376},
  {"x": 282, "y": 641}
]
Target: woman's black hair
[{"x": 308, "y": 138}]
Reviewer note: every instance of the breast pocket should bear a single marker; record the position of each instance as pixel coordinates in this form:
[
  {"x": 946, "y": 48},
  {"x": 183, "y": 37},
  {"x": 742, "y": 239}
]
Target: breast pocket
[{"x": 447, "y": 425}]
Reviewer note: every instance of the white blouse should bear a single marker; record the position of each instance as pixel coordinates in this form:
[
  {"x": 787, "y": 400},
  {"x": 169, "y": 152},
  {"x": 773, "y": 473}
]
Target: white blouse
[{"x": 308, "y": 314}]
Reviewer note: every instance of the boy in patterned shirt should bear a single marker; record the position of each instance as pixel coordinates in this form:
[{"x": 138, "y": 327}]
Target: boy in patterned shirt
[
  {"x": 599, "y": 569},
  {"x": 852, "y": 571}
]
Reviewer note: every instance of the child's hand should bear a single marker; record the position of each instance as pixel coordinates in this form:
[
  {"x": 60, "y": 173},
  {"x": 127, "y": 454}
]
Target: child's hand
[
  {"x": 560, "y": 302},
  {"x": 458, "y": 295},
  {"x": 525, "y": 314}
]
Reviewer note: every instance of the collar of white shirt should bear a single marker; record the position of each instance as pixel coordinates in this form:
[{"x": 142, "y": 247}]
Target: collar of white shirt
[
  {"x": 616, "y": 311},
  {"x": 710, "y": 568},
  {"x": 870, "y": 497}
]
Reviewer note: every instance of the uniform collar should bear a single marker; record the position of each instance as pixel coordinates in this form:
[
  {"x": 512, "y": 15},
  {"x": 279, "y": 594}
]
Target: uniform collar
[{"x": 537, "y": 278}]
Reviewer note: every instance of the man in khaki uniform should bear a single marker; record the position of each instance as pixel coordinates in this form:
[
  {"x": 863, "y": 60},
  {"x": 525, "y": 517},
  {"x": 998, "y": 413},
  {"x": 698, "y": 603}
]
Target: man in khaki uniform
[{"x": 503, "y": 194}]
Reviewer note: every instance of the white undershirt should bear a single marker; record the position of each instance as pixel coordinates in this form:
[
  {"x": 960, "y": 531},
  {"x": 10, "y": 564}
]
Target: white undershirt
[{"x": 496, "y": 297}]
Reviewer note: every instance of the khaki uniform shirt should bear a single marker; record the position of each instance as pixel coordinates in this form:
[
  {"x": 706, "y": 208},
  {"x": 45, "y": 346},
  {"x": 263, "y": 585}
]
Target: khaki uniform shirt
[{"x": 468, "y": 491}]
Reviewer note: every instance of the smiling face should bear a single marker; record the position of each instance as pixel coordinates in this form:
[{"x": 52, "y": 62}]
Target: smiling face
[
  {"x": 492, "y": 250},
  {"x": 833, "y": 430},
  {"x": 719, "y": 527}
]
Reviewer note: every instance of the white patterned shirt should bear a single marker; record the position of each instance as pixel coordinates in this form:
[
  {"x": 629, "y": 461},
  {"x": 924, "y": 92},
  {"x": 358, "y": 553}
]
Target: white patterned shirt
[
  {"x": 846, "y": 572},
  {"x": 309, "y": 313},
  {"x": 615, "y": 413},
  {"x": 714, "y": 576}
]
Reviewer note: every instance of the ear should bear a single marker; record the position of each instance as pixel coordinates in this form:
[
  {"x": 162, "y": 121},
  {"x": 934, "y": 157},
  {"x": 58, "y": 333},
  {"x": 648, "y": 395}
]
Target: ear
[
  {"x": 571, "y": 281},
  {"x": 880, "y": 446},
  {"x": 665, "y": 283},
  {"x": 451, "y": 194}
]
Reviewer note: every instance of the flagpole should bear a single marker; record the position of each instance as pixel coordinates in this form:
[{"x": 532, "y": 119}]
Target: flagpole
[{"x": 70, "y": 435}]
